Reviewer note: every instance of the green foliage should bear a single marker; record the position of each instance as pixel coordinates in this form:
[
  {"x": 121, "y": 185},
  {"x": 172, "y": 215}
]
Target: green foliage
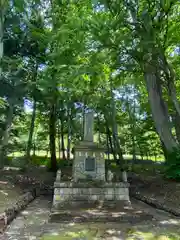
[
  {"x": 173, "y": 165},
  {"x": 64, "y": 163},
  {"x": 19, "y": 162},
  {"x": 91, "y": 55},
  {"x": 40, "y": 161}
]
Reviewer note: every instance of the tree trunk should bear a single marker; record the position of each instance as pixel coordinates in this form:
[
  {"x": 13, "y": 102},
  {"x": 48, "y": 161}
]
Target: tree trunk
[
  {"x": 83, "y": 121},
  {"x": 176, "y": 121},
  {"x": 173, "y": 96},
  {"x": 170, "y": 78},
  {"x": 62, "y": 139},
  {"x": 47, "y": 153},
  {"x": 118, "y": 150},
  {"x": 31, "y": 131},
  {"x": 1, "y": 36},
  {"x": 108, "y": 147},
  {"x": 108, "y": 132},
  {"x": 111, "y": 145},
  {"x": 6, "y": 133},
  {"x": 99, "y": 132},
  {"x": 34, "y": 149},
  {"x": 133, "y": 129},
  {"x": 52, "y": 137},
  {"x": 141, "y": 152},
  {"x": 69, "y": 135},
  {"x": 159, "y": 111},
  {"x": 59, "y": 139}
]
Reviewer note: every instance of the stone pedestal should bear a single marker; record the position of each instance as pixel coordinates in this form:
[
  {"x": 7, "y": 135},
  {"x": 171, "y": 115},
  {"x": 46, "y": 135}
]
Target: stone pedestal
[
  {"x": 83, "y": 152},
  {"x": 93, "y": 191}
]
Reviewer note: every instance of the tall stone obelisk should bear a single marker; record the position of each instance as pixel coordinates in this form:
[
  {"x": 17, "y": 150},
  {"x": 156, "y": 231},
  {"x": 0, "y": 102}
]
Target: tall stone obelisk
[{"x": 88, "y": 126}]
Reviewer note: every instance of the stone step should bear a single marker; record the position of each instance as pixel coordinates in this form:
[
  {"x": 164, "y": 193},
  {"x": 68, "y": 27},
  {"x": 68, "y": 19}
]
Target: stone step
[{"x": 99, "y": 215}]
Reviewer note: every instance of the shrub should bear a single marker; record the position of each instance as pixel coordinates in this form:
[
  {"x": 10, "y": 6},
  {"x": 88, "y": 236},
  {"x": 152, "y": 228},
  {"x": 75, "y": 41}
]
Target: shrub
[
  {"x": 173, "y": 165},
  {"x": 19, "y": 162}
]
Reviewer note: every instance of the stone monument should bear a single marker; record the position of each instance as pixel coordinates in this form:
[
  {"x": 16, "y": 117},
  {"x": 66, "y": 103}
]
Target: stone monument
[
  {"x": 88, "y": 174},
  {"x": 89, "y": 157}
]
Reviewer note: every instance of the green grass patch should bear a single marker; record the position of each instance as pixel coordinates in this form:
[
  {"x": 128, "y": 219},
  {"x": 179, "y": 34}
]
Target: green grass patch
[
  {"x": 147, "y": 169},
  {"x": 152, "y": 235}
]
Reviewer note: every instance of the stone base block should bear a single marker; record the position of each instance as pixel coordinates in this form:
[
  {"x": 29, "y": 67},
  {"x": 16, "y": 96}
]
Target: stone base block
[{"x": 68, "y": 192}]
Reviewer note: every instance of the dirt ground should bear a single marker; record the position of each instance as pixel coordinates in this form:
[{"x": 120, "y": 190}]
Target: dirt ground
[
  {"x": 150, "y": 182},
  {"x": 34, "y": 219},
  {"x": 157, "y": 188},
  {"x": 32, "y": 224},
  {"x": 14, "y": 182}
]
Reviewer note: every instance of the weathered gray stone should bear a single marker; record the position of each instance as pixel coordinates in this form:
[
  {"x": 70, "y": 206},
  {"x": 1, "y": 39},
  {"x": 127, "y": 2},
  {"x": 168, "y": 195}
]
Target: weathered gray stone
[
  {"x": 89, "y": 183},
  {"x": 58, "y": 176},
  {"x": 89, "y": 160},
  {"x": 88, "y": 126},
  {"x": 87, "y": 192}
]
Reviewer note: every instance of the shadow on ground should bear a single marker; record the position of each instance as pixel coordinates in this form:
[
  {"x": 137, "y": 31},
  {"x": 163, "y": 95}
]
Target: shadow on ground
[{"x": 33, "y": 224}]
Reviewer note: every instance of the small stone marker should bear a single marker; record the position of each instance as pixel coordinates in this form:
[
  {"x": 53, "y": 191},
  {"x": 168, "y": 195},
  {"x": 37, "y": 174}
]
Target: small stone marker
[
  {"x": 124, "y": 176},
  {"x": 58, "y": 176},
  {"x": 109, "y": 176}
]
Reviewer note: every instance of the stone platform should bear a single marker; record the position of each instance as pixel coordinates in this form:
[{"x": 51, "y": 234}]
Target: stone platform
[
  {"x": 89, "y": 191},
  {"x": 98, "y": 211}
]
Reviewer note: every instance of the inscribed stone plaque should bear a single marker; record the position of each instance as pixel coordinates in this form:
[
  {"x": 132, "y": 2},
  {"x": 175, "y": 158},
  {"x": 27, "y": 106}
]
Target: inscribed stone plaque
[{"x": 90, "y": 164}]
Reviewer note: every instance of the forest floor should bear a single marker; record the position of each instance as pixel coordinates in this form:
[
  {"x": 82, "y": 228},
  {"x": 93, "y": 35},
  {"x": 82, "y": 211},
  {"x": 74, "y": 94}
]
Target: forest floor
[
  {"x": 147, "y": 180},
  {"x": 150, "y": 182},
  {"x": 14, "y": 182},
  {"x": 32, "y": 223}
]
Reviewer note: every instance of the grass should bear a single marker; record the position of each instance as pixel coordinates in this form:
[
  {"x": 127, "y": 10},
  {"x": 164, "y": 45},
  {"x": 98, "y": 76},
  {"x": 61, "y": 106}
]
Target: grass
[
  {"x": 152, "y": 236},
  {"x": 44, "y": 154},
  {"x": 143, "y": 169},
  {"x": 99, "y": 231}
]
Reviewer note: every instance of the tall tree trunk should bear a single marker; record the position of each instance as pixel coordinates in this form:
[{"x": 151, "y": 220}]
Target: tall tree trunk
[
  {"x": 176, "y": 121},
  {"x": 99, "y": 131},
  {"x": 59, "y": 139},
  {"x": 69, "y": 134},
  {"x": 31, "y": 131},
  {"x": 62, "y": 139},
  {"x": 170, "y": 78},
  {"x": 34, "y": 149},
  {"x": 118, "y": 150},
  {"x": 108, "y": 132},
  {"x": 173, "y": 95},
  {"x": 133, "y": 129},
  {"x": 47, "y": 153},
  {"x": 2, "y": 12},
  {"x": 2, "y": 7},
  {"x": 159, "y": 111},
  {"x": 52, "y": 137},
  {"x": 108, "y": 147},
  {"x": 83, "y": 121},
  {"x": 6, "y": 133}
]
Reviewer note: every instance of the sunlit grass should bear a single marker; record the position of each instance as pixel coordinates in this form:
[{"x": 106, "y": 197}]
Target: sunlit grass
[
  {"x": 79, "y": 231},
  {"x": 88, "y": 235},
  {"x": 152, "y": 236},
  {"x": 42, "y": 153}
]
